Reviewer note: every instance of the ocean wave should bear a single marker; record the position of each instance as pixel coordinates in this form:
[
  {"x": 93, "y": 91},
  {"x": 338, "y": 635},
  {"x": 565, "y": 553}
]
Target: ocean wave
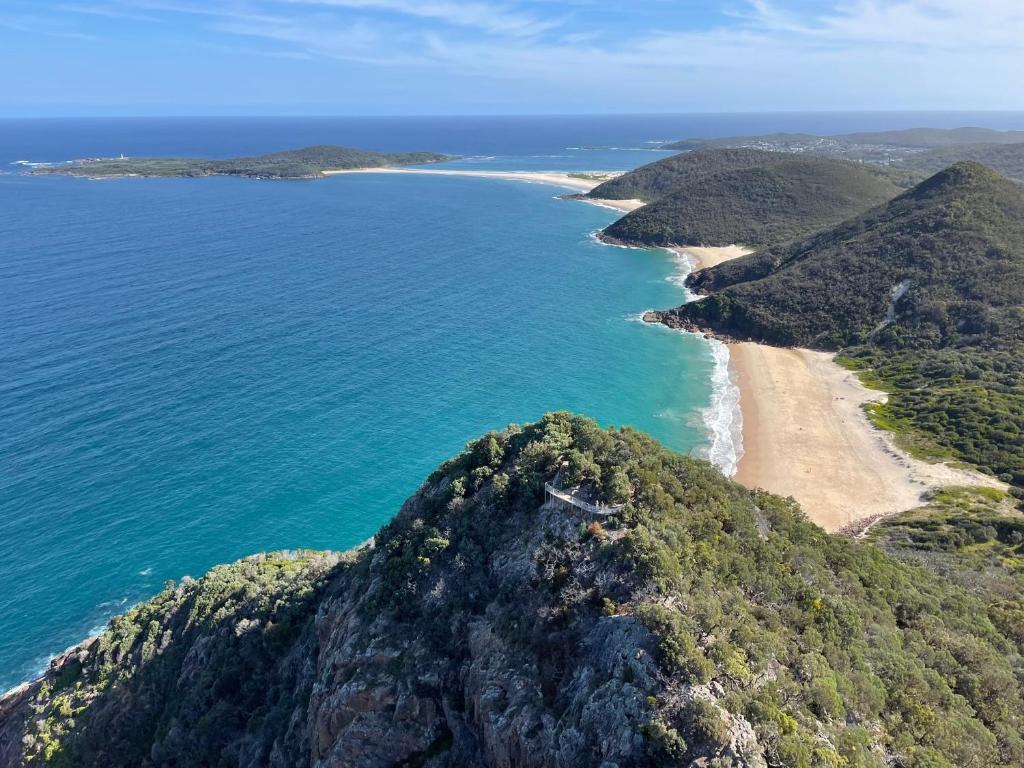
[
  {"x": 685, "y": 264},
  {"x": 594, "y": 201},
  {"x": 723, "y": 418}
]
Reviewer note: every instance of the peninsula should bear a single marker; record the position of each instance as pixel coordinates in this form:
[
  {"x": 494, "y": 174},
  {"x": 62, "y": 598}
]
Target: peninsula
[{"x": 307, "y": 163}]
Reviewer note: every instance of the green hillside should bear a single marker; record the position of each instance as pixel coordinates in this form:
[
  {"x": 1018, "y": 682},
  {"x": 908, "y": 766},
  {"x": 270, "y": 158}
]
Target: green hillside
[
  {"x": 306, "y": 163},
  {"x": 925, "y": 293},
  {"x": 649, "y": 182},
  {"x": 1007, "y": 159},
  {"x": 702, "y": 624},
  {"x": 909, "y": 155},
  {"x": 785, "y": 198},
  {"x": 956, "y": 241}
]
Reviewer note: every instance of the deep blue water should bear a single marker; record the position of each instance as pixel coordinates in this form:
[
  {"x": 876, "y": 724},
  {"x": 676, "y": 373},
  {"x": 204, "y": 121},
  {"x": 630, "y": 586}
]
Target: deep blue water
[{"x": 195, "y": 370}]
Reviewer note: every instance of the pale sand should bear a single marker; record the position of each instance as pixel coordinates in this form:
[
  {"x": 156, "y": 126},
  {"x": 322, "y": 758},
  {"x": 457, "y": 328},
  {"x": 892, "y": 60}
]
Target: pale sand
[
  {"x": 805, "y": 435},
  {"x": 619, "y": 205},
  {"x": 577, "y": 182},
  {"x": 706, "y": 257}
]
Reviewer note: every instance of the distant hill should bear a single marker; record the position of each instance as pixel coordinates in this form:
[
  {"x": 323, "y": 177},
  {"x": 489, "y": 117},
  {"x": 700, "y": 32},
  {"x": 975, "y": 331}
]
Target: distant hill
[
  {"x": 918, "y": 138},
  {"x": 306, "y": 163},
  {"x": 1008, "y": 159},
  {"x": 924, "y": 293},
  {"x": 782, "y": 198},
  {"x": 655, "y": 180},
  {"x": 956, "y": 242},
  {"x": 912, "y": 154}
]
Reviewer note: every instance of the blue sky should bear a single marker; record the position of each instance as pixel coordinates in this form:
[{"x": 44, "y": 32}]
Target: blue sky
[{"x": 507, "y": 56}]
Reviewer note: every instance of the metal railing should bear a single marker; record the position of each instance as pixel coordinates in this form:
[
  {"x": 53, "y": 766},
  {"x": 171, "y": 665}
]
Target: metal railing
[{"x": 569, "y": 498}]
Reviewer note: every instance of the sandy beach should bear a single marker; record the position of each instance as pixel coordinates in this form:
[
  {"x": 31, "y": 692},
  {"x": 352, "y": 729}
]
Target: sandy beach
[
  {"x": 706, "y": 257},
  {"x": 805, "y": 435}
]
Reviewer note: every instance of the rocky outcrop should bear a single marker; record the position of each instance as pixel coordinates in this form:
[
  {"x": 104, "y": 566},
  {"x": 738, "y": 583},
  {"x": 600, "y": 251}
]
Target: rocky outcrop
[{"x": 700, "y": 625}]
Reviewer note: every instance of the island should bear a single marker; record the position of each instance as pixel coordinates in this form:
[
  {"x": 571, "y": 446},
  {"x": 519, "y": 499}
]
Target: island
[{"x": 306, "y": 163}]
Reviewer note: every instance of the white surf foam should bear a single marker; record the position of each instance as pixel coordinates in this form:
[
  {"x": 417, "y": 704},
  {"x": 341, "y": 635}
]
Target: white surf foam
[{"x": 723, "y": 417}]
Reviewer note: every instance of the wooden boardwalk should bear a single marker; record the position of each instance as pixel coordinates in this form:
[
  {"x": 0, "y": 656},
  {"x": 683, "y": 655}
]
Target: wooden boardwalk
[{"x": 551, "y": 493}]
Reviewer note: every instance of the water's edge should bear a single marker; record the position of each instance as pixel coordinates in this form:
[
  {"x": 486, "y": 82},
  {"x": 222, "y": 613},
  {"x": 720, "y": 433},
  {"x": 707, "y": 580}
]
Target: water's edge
[{"x": 723, "y": 417}]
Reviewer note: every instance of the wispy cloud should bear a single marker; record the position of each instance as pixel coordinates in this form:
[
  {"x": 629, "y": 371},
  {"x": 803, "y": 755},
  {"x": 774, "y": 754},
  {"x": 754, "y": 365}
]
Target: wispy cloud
[
  {"x": 794, "y": 52},
  {"x": 943, "y": 24},
  {"x": 106, "y": 12},
  {"x": 493, "y": 19},
  {"x": 42, "y": 25}
]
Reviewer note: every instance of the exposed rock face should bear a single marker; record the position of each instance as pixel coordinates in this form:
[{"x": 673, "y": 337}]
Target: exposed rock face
[
  {"x": 485, "y": 628},
  {"x": 579, "y": 698}
]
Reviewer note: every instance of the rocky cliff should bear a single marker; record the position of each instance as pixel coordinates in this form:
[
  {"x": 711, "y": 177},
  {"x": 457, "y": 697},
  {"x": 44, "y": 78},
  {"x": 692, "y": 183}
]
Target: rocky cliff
[{"x": 699, "y": 625}]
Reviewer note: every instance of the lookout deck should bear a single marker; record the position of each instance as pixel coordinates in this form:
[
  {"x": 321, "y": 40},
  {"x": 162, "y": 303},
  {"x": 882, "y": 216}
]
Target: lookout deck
[{"x": 554, "y": 494}]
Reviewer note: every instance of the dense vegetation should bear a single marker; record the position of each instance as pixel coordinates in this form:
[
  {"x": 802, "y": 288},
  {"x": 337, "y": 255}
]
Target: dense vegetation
[
  {"x": 925, "y": 292},
  {"x": 785, "y": 198},
  {"x": 962, "y": 403},
  {"x": 972, "y": 538},
  {"x": 306, "y": 163},
  {"x": 940, "y": 265},
  {"x": 1008, "y": 159},
  {"x": 201, "y": 675},
  {"x": 703, "y": 622},
  {"x": 689, "y": 169}
]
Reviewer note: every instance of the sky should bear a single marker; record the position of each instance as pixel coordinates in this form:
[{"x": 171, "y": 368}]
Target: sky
[{"x": 392, "y": 57}]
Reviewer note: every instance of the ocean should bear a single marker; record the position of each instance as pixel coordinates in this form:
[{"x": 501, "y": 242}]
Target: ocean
[{"x": 193, "y": 370}]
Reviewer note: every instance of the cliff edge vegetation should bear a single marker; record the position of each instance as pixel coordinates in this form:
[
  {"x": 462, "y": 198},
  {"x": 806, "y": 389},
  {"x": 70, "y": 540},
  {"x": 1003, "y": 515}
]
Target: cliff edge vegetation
[{"x": 701, "y": 624}]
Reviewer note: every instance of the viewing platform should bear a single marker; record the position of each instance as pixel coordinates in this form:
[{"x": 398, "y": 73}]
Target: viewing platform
[{"x": 554, "y": 493}]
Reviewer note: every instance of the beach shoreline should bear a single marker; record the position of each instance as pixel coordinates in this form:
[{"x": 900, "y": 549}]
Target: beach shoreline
[
  {"x": 705, "y": 257},
  {"x": 803, "y": 432},
  {"x": 806, "y": 435},
  {"x": 723, "y": 418},
  {"x": 579, "y": 182}
]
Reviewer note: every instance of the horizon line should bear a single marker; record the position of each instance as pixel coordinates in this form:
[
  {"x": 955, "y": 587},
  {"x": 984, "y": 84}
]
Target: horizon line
[{"x": 496, "y": 115}]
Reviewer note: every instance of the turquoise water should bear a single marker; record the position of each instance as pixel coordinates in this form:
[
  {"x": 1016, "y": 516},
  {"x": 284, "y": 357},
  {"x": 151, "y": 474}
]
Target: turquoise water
[{"x": 195, "y": 370}]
